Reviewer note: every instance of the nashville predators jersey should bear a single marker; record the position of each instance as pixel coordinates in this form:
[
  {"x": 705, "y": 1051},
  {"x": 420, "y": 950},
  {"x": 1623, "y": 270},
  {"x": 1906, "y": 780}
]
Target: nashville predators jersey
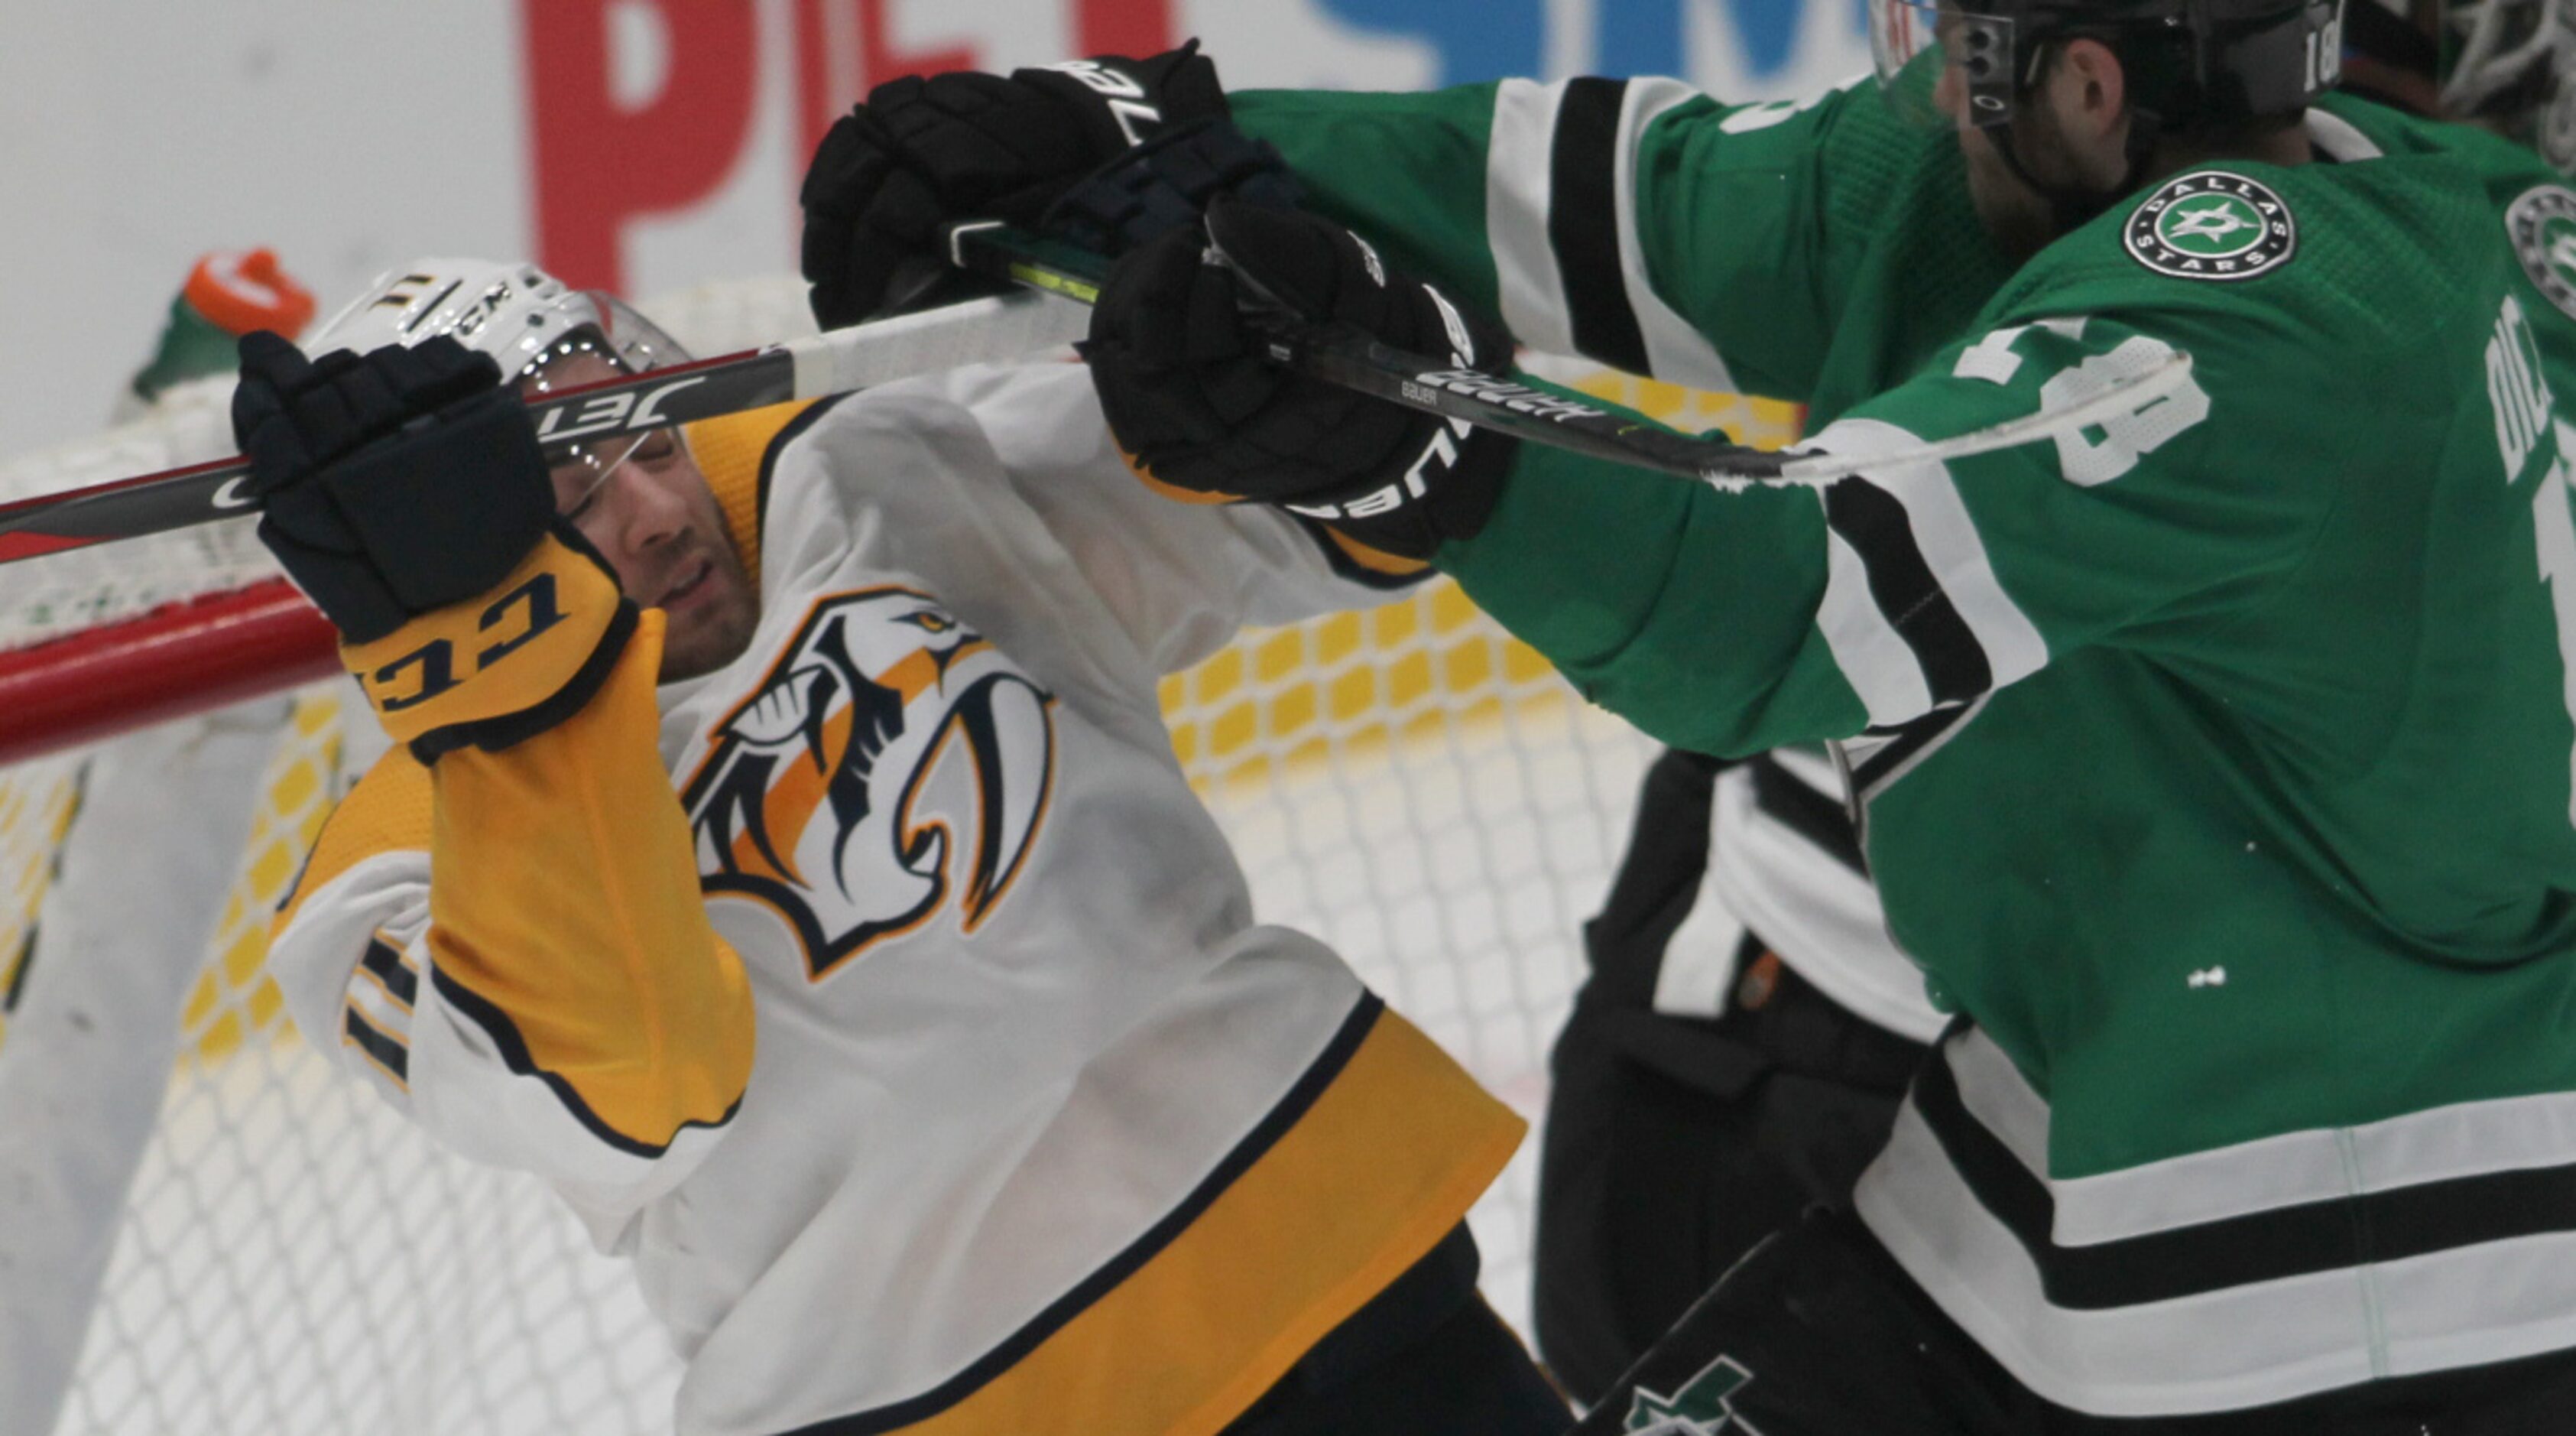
[{"x": 886, "y": 995}]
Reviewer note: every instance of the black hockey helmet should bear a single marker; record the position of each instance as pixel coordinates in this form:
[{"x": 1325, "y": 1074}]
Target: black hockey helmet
[{"x": 2191, "y": 65}]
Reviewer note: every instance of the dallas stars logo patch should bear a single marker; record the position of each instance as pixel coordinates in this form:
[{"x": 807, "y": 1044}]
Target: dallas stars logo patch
[
  {"x": 2211, "y": 225},
  {"x": 2542, "y": 222}
]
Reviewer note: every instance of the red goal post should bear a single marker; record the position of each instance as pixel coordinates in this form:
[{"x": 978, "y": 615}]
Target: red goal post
[
  {"x": 103, "y": 641},
  {"x": 189, "y": 656}
]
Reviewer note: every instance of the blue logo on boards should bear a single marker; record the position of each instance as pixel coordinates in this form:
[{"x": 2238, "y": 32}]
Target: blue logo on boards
[{"x": 1488, "y": 39}]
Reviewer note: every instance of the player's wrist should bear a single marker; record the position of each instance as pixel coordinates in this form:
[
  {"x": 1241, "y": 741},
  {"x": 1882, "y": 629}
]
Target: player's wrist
[
  {"x": 1376, "y": 563},
  {"x": 1445, "y": 494},
  {"x": 498, "y": 668}
]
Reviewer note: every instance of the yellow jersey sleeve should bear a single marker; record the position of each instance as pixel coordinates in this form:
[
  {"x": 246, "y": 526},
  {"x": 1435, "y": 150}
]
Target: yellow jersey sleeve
[{"x": 564, "y": 918}]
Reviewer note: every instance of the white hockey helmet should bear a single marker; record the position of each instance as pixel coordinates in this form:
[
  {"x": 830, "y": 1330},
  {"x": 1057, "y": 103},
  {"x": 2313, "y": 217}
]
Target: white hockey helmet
[
  {"x": 525, "y": 318},
  {"x": 517, "y": 313}
]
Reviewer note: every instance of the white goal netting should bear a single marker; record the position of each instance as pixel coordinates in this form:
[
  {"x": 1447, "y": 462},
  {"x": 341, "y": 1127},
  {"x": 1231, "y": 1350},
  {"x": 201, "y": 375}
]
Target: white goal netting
[{"x": 1407, "y": 784}]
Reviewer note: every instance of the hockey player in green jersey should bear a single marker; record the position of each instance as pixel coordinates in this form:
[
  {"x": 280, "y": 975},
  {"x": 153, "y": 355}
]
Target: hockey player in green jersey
[
  {"x": 2215, "y": 761},
  {"x": 1741, "y": 1042}
]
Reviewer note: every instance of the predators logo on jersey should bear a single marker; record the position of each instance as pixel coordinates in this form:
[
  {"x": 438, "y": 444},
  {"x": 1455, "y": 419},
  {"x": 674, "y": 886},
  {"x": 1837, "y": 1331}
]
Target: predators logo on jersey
[{"x": 891, "y": 759}]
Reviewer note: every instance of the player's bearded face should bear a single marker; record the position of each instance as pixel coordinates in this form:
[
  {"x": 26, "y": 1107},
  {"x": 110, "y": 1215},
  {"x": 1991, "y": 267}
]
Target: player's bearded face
[
  {"x": 646, "y": 507},
  {"x": 2021, "y": 221}
]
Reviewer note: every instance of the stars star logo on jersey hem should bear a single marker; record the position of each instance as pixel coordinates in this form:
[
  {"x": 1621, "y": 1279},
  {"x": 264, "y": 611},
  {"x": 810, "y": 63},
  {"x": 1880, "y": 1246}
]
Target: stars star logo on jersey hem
[
  {"x": 2542, "y": 222},
  {"x": 2211, "y": 225},
  {"x": 1701, "y": 1406}
]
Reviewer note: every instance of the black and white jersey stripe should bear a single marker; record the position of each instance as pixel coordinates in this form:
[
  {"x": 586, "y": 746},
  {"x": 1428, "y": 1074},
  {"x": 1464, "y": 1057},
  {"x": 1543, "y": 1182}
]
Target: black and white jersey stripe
[
  {"x": 391, "y": 972},
  {"x": 1799, "y": 789},
  {"x": 2238, "y": 1276},
  {"x": 1785, "y": 860},
  {"x": 1872, "y": 523},
  {"x": 1912, "y": 610},
  {"x": 1560, "y": 218},
  {"x": 389, "y": 1053},
  {"x": 375, "y": 1018}
]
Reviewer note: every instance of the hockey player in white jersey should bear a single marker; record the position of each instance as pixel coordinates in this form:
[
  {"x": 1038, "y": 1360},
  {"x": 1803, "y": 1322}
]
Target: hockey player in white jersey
[{"x": 785, "y": 859}]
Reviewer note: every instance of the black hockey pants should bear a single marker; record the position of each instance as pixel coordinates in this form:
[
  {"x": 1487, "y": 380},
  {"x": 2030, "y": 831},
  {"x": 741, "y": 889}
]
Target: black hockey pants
[
  {"x": 1428, "y": 1357},
  {"x": 1673, "y": 1144},
  {"x": 1425, "y": 1357}
]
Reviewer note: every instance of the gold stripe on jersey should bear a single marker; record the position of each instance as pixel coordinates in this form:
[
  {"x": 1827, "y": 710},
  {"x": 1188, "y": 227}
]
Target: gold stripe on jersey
[
  {"x": 1384, "y": 1163},
  {"x": 731, "y": 450}
]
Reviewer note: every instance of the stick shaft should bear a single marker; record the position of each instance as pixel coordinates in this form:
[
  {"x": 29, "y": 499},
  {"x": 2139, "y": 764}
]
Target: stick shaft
[
  {"x": 1341, "y": 355},
  {"x": 1001, "y": 327}
]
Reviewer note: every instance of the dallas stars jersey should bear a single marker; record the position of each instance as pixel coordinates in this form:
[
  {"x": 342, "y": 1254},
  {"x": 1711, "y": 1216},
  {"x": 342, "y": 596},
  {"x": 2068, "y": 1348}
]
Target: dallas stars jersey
[
  {"x": 984, "y": 1106},
  {"x": 2215, "y": 761}
]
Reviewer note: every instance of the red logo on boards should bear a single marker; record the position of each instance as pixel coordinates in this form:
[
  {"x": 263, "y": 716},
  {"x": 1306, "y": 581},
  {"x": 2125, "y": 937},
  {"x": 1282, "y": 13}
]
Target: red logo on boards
[{"x": 604, "y": 160}]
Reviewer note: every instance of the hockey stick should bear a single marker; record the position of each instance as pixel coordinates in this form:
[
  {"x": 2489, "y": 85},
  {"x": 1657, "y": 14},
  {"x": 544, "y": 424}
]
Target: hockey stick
[
  {"x": 1340, "y": 354},
  {"x": 1004, "y": 326}
]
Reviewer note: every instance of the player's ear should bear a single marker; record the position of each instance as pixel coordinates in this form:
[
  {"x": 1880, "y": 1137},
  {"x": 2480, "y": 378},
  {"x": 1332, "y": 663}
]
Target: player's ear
[{"x": 2090, "y": 90}]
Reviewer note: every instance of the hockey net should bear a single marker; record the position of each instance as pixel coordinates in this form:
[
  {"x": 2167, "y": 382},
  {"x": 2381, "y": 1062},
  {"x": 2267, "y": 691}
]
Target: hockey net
[{"x": 1407, "y": 784}]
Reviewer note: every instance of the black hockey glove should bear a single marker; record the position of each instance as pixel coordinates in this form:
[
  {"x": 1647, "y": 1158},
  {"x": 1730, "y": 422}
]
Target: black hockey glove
[
  {"x": 921, "y": 152},
  {"x": 405, "y": 493},
  {"x": 394, "y": 484},
  {"x": 1198, "y": 406},
  {"x": 1167, "y": 183}
]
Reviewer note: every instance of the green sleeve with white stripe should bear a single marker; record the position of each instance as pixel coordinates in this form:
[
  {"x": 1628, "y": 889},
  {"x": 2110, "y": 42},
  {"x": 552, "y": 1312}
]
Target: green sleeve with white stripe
[
  {"x": 1731, "y": 623},
  {"x": 1634, "y": 222}
]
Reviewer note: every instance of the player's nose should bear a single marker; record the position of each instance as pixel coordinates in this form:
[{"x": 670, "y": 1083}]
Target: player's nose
[{"x": 655, "y": 514}]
